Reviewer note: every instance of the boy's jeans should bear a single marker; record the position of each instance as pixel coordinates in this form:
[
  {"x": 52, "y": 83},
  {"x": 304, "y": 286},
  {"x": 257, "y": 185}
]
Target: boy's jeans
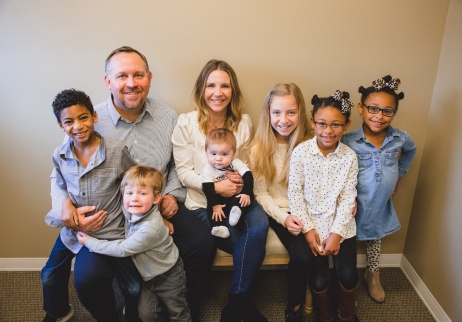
[
  {"x": 93, "y": 276},
  {"x": 168, "y": 288}
]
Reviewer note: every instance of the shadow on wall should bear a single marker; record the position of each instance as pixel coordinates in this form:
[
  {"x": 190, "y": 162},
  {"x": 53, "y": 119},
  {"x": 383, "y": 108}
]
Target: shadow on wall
[{"x": 432, "y": 233}]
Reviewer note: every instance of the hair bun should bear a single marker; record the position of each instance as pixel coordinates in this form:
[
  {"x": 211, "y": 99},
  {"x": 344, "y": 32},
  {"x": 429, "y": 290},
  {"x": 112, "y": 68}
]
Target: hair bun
[
  {"x": 315, "y": 99},
  {"x": 387, "y": 78},
  {"x": 362, "y": 90}
]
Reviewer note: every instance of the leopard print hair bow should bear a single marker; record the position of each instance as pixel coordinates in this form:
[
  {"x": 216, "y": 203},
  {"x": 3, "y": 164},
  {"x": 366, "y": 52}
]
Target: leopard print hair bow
[
  {"x": 346, "y": 103},
  {"x": 380, "y": 83}
]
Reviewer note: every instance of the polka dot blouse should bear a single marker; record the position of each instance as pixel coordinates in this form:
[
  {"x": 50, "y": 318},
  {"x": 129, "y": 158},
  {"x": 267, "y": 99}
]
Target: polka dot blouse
[{"x": 322, "y": 189}]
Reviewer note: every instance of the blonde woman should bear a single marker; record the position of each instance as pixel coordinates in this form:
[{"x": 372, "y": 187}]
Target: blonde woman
[
  {"x": 219, "y": 103},
  {"x": 283, "y": 125}
]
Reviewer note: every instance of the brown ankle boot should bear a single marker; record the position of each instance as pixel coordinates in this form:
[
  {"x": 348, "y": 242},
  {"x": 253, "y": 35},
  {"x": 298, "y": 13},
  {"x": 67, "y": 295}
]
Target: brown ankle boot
[
  {"x": 374, "y": 286},
  {"x": 346, "y": 303},
  {"x": 322, "y": 305}
]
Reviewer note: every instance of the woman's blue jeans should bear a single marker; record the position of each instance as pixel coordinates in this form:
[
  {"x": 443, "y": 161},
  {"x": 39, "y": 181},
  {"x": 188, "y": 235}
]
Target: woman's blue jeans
[{"x": 247, "y": 244}]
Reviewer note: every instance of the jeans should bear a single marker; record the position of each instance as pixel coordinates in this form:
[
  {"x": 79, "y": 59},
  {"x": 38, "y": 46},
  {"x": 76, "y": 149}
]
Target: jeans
[
  {"x": 247, "y": 244},
  {"x": 93, "y": 276},
  {"x": 300, "y": 263},
  {"x": 197, "y": 250},
  {"x": 170, "y": 288},
  {"x": 344, "y": 265}
]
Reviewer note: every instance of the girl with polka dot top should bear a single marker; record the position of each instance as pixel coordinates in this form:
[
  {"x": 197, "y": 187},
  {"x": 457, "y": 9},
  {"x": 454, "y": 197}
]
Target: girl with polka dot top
[{"x": 322, "y": 192}]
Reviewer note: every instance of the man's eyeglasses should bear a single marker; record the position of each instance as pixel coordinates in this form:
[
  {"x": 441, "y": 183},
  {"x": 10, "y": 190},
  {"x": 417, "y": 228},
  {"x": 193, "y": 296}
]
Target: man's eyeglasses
[
  {"x": 375, "y": 110},
  {"x": 336, "y": 127}
]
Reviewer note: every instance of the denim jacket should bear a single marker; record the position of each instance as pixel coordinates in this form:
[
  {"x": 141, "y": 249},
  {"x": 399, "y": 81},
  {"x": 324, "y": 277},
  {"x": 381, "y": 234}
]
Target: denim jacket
[{"x": 379, "y": 171}]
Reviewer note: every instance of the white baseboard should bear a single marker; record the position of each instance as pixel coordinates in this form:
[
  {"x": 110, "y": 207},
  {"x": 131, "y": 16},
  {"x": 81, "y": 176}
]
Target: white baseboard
[
  {"x": 424, "y": 293},
  {"x": 36, "y": 264},
  {"x": 22, "y": 264},
  {"x": 386, "y": 260}
]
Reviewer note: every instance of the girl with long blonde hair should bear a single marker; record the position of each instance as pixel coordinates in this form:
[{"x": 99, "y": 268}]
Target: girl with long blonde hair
[{"x": 283, "y": 125}]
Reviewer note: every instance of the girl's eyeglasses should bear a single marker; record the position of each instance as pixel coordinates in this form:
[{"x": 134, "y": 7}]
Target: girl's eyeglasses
[
  {"x": 336, "y": 127},
  {"x": 375, "y": 110}
]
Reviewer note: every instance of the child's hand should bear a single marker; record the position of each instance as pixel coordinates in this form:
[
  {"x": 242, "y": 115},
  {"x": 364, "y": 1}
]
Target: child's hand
[
  {"x": 93, "y": 222},
  {"x": 69, "y": 215},
  {"x": 82, "y": 237},
  {"x": 293, "y": 225},
  {"x": 169, "y": 226},
  {"x": 331, "y": 245},
  {"x": 244, "y": 200},
  {"x": 312, "y": 238},
  {"x": 355, "y": 209},
  {"x": 395, "y": 190},
  {"x": 218, "y": 213}
]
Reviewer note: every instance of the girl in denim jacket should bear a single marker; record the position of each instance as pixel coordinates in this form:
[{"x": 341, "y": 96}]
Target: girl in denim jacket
[{"x": 384, "y": 156}]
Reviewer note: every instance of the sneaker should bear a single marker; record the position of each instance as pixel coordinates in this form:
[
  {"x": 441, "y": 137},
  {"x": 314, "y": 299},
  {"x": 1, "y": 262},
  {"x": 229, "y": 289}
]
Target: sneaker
[{"x": 65, "y": 318}]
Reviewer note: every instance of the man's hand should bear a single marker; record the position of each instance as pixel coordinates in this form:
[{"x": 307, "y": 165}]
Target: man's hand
[{"x": 168, "y": 206}]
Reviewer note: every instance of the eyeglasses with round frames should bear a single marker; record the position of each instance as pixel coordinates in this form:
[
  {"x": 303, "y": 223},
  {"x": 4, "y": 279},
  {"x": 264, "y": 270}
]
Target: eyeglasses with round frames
[
  {"x": 336, "y": 127},
  {"x": 375, "y": 110}
]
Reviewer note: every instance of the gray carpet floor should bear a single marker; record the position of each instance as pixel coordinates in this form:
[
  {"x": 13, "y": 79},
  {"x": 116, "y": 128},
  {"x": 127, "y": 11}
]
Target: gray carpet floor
[{"x": 21, "y": 298}]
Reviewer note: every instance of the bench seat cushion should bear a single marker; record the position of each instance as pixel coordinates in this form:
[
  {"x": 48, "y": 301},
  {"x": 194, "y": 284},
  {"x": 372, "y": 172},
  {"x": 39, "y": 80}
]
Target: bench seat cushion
[{"x": 276, "y": 253}]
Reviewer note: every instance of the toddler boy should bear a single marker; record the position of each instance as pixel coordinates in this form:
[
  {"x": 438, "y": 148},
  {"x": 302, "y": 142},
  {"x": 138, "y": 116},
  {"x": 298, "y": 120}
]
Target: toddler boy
[{"x": 149, "y": 243}]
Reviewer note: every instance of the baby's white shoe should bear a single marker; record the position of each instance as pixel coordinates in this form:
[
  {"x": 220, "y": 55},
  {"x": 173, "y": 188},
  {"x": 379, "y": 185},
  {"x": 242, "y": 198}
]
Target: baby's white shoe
[
  {"x": 220, "y": 231},
  {"x": 234, "y": 215}
]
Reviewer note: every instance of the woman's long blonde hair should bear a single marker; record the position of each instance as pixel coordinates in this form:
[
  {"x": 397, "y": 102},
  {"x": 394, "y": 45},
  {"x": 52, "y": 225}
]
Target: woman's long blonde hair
[
  {"x": 264, "y": 143},
  {"x": 234, "y": 109}
]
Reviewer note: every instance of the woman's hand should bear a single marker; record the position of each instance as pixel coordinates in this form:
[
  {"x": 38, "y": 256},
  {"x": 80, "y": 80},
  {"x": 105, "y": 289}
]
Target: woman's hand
[
  {"x": 293, "y": 225},
  {"x": 229, "y": 188}
]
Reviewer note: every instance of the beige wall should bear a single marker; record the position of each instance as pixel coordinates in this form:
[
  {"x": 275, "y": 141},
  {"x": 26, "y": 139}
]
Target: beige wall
[
  {"x": 435, "y": 231},
  {"x": 47, "y": 46}
]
